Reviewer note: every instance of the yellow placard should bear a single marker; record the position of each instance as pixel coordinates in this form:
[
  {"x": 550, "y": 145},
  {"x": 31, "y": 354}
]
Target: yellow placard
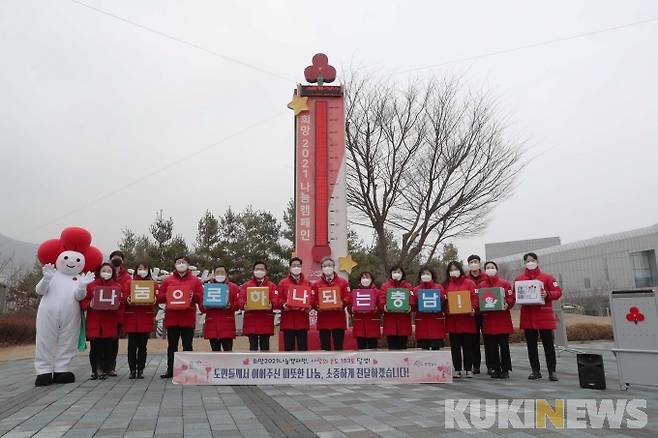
[
  {"x": 258, "y": 298},
  {"x": 459, "y": 302},
  {"x": 142, "y": 292}
]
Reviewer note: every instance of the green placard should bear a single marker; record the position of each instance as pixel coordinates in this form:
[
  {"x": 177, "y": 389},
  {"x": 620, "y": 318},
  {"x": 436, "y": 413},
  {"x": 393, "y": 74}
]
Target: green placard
[
  {"x": 491, "y": 299},
  {"x": 397, "y": 299}
]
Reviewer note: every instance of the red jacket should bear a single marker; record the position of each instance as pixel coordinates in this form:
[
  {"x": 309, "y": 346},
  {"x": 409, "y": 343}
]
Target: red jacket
[
  {"x": 430, "y": 325},
  {"x": 540, "y": 316},
  {"x": 124, "y": 279},
  {"x": 183, "y": 317},
  {"x": 367, "y": 325},
  {"x": 138, "y": 319},
  {"x": 463, "y": 323},
  {"x": 259, "y": 322},
  {"x": 499, "y": 322},
  {"x": 293, "y": 319},
  {"x": 220, "y": 323},
  {"x": 332, "y": 319},
  {"x": 397, "y": 324},
  {"x": 101, "y": 323}
]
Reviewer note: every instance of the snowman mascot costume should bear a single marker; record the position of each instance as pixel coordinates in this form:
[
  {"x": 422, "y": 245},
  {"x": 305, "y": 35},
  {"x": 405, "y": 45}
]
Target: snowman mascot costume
[{"x": 62, "y": 287}]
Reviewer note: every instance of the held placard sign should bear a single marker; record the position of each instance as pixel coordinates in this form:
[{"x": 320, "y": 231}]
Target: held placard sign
[
  {"x": 105, "y": 298},
  {"x": 491, "y": 299},
  {"x": 364, "y": 300},
  {"x": 329, "y": 299},
  {"x": 298, "y": 297},
  {"x": 258, "y": 298},
  {"x": 178, "y": 298},
  {"x": 429, "y": 300},
  {"x": 397, "y": 299},
  {"x": 529, "y": 292},
  {"x": 142, "y": 292},
  {"x": 459, "y": 302},
  {"x": 215, "y": 295}
]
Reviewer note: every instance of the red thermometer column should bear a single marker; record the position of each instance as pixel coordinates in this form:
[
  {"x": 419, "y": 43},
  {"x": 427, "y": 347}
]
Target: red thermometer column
[{"x": 321, "y": 247}]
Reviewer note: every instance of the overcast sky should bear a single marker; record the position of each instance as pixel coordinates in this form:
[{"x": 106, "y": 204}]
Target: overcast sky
[{"x": 90, "y": 103}]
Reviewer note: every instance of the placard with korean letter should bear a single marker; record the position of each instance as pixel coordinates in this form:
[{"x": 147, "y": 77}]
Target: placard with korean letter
[
  {"x": 142, "y": 292},
  {"x": 298, "y": 297},
  {"x": 459, "y": 302},
  {"x": 329, "y": 299},
  {"x": 178, "y": 298},
  {"x": 529, "y": 292},
  {"x": 397, "y": 299},
  {"x": 215, "y": 295},
  {"x": 429, "y": 300},
  {"x": 364, "y": 300},
  {"x": 258, "y": 298},
  {"x": 491, "y": 299},
  {"x": 105, "y": 298}
]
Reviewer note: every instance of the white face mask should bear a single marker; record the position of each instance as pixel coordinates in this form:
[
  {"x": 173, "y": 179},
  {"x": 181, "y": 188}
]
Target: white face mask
[
  {"x": 491, "y": 272},
  {"x": 296, "y": 270},
  {"x": 328, "y": 271},
  {"x": 474, "y": 266},
  {"x": 397, "y": 276},
  {"x": 259, "y": 274},
  {"x": 181, "y": 267},
  {"x": 106, "y": 275},
  {"x": 365, "y": 281},
  {"x": 142, "y": 273},
  {"x": 455, "y": 274},
  {"x": 220, "y": 278},
  {"x": 426, "y": 278},
  {"x": 531, "y": 265}
]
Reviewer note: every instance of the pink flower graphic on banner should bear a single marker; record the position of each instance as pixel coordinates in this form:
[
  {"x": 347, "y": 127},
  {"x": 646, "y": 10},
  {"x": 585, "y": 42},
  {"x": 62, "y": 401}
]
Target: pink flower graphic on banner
[
  {"x": 375, "y": 361},
  {"x": 246, "y": 361}
]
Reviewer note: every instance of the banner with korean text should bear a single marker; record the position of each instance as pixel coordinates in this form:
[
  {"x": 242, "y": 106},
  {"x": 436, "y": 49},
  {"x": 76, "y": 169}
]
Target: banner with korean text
[{"x": 313, "y": 368}]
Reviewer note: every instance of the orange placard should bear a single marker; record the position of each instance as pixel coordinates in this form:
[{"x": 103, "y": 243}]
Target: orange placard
[
  {"x": 142, "y": 292},
  {"x": 459, "y": 302},
  {"x": 178, "y": 298},
  {"x": 258, "y": 298},
  {"x": 329, "y": 299}
]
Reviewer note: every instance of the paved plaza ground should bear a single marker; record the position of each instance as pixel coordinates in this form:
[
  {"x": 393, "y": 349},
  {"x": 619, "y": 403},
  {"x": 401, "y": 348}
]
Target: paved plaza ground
[{"x": 152, "y": 407}]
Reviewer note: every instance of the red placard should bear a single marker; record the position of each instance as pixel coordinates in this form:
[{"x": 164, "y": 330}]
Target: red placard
[
  {"x": 299, "y": 297},
  {"x": 329, "y": 299},
  {"x": 178, "y": 298},
  {"x": 105, "y": 298}
]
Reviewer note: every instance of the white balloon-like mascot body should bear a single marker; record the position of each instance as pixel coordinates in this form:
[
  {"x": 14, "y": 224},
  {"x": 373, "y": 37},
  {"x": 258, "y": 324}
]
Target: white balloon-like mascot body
[{"x": 61, "y": 289}]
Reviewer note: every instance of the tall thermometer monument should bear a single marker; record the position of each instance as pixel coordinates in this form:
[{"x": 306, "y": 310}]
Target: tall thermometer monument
[{"x": 320, "y": 199}]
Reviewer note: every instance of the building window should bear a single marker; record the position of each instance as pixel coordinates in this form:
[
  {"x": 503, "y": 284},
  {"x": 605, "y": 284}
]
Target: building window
[
  {"x": 644, "y": 268},
  {"x": 606, "y": 271},
  {"x": 588, "y": 283}
]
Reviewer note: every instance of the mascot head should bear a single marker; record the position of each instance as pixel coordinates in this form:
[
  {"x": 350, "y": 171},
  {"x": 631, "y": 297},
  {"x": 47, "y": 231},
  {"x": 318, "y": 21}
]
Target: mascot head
[{"x": 72, "y": 253}]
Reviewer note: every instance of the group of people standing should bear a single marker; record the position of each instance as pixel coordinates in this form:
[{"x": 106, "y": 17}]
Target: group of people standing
[{"x": 463, "y": 330}]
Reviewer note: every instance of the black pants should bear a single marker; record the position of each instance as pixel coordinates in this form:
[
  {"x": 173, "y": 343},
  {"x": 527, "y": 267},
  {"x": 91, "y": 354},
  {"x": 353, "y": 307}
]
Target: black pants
[
  {"x": 396, "y": 342},
  {"x": 549, "y": 348},
  {"x": 496, "y": 349},
  {"x": 366, "y": 343},
  {"x": 461, "y": 347},
  {"x": 217, "y": 344},
  {"x": 113, "y": 355},
  {"x": 290, "y": 337},
  {"x": 475, "y": 352},
  {"x": 261, "y": 342},
  {"x": 185, "y": 334},
  {"x": 326, "y": 336},
  {"x": 100, "y": 354},
  {"x": 137, "y": 351},
  {"x": 430, "y": 344}
]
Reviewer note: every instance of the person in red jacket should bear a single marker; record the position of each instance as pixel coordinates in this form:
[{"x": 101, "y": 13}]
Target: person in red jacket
[
  {"x": 331, "y": 323},
  {"x": 461, "y": 327},
  {"x": 101, "y": 325},
  {"x": 537, "y": 320},
  {"x": 123, "y": 277},
  {"x": 259, "y": 324},
  {"x": 475, "y": 274},
  {"x": 397, "y": 326},
  {"x": 219, "y": 327},
  {"x": 497, "y": 325},
  {"x": 180, "y": 323},
  {"x": 430, "y": 326},
  {"x": 138, "y": 323},
  {"x": 366, "y": 326},
  {"x": 294, "y": 321}
]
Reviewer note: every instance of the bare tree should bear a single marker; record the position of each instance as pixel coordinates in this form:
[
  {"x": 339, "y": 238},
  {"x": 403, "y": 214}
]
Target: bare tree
[{"x": 427, "y": 163}]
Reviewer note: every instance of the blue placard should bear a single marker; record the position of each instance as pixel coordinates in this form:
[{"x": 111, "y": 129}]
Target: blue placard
[
  {"x": 215, "y": 295},
  {"x": 429, "y": 300}
]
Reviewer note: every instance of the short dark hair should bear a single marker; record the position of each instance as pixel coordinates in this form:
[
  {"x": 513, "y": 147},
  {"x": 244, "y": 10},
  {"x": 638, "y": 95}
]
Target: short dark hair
[
  {"x": 428, "y": 269},
  {"x": 220, "y": 265},
  {"x": 259, "y": 262},
  {"x": 295, "y": 259},
  {"x": 530, "y": 254},
  {"x": 473, "y": 257},
  {"x": 184, "y": 257},
  {"x": 372, "y": 277},
  {"x": 490, "y": 262},
  {"x": 117, "y": 253},
  {"x": 146, "y": 265},
  {"x": 114, "y": 271},
  {"x": 397, "y": 268},
  {"x": 455, "y": 264}
]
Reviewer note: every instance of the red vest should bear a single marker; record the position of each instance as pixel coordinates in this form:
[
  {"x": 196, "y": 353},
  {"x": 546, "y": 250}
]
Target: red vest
[
  {"x": 461, "y": 323},
  {"x": 220, "y": 323},
  {"x": 101, "y": 323},
  {"x": 183, "y": 317},
  {"x": 259, "y": 322},
  {"x": 332, "y": 319},
  {"x": 540, "y": 316},
  {"x": 293, "y": 319},
  {"x": 397, "y": 324},
  {"x": 430, "y": 325},
  {"x": 500, "y": 322}
]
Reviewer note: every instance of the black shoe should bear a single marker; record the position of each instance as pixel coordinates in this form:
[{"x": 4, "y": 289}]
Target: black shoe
[
  {"x": 132, "y": 375},
  {"x": 102, "y": 376},
  {"x": 534, "y": 375},
  {"x": 44, "y": 380},
  {"x": 476, "y": 370},
  {"x": 66, "y": 377},
  {"x": 552, "y": 376},
  {"x": 94, "y": 377},
  {"x": 494, "y": 375},
  {"x": 504, "y": 375},
  {"x": 167, "y": 375},
  {"x": 111, "y": 373},
  {"x": 140, "y": 374},
  {"x": 489, "y": 371}
]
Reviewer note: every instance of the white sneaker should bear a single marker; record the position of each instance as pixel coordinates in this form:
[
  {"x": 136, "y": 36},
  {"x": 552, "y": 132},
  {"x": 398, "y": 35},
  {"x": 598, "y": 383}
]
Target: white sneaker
[
  {"x": 457, "y": 375},
  {"x": 469, "y": 374}
]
